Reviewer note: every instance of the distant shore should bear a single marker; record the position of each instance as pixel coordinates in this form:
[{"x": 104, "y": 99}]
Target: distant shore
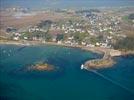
[{"x": 105, "y": 62}]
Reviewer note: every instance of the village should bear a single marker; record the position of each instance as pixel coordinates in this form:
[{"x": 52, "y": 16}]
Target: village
[
  {"x": 66, "y": 49},
  {"x": 90, "y": 28}
]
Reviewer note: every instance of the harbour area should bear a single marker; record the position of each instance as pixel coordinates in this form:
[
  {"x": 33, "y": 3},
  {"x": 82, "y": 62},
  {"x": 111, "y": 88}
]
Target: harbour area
[
  {"x": 68, "y": 76},
  {"x": 105, "y": 62},
  {"x": 66, "y": 49}
]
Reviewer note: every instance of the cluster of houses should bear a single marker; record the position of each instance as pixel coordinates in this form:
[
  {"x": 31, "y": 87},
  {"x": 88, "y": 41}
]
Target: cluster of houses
[
  {"x": 93, "y": 24},
  {"x": 104, "y": 23}
]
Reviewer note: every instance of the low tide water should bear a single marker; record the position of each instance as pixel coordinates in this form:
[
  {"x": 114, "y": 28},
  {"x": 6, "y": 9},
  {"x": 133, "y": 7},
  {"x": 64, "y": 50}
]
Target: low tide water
[{"x": 67, "y": 83}]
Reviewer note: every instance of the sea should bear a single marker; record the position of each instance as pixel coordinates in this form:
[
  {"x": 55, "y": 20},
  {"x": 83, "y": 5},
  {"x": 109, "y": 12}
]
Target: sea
[
  {"x": 68, "y": 82},
  {"x": 72, "y": 4}
]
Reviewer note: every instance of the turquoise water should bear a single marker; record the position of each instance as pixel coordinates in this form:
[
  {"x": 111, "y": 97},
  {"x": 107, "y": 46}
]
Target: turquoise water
[{"x": 67, "y": 83}]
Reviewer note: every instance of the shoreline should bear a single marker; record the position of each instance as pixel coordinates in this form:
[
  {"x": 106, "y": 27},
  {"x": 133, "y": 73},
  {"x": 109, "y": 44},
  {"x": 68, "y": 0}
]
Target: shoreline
[
  {"x": 30, "y": 43},
  {"x": 105, "y": 62},
  {"x": 98, "y": 50}
]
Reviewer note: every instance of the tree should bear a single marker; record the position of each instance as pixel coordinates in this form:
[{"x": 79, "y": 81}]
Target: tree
[
  {"x": 94, "y": 40},
  {"x": 125, "y": 44},
  {"x": 45, "y": 23},
  {"x": 131, "y": 16},
  {"x": 59, "y": 37},
  {"x": 48, "y": 37},
  {"x": 79, "y": 37}
]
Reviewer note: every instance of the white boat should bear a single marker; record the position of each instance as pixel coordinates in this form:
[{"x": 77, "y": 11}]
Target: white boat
[{"x": 82, "y": 66}]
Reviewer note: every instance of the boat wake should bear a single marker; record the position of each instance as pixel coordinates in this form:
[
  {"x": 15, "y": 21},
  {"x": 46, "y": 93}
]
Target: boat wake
[{"x": 110, "y": 80}]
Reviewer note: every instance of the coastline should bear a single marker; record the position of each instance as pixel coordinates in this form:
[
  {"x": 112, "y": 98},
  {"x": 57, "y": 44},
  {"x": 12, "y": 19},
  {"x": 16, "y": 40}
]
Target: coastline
[
  {"x": 30, "y": 43},
  {"x": 105, "y": 62},
  {"x": 98, "y": 50}
]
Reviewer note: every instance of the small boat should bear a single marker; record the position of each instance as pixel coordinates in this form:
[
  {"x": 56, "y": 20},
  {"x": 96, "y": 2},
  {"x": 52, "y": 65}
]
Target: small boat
[{"x": 82, "y": 66}]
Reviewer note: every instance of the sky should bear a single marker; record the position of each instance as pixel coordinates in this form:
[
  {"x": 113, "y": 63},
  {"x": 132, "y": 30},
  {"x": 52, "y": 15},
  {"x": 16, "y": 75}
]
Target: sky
[{"x": 65, "y": 3}]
